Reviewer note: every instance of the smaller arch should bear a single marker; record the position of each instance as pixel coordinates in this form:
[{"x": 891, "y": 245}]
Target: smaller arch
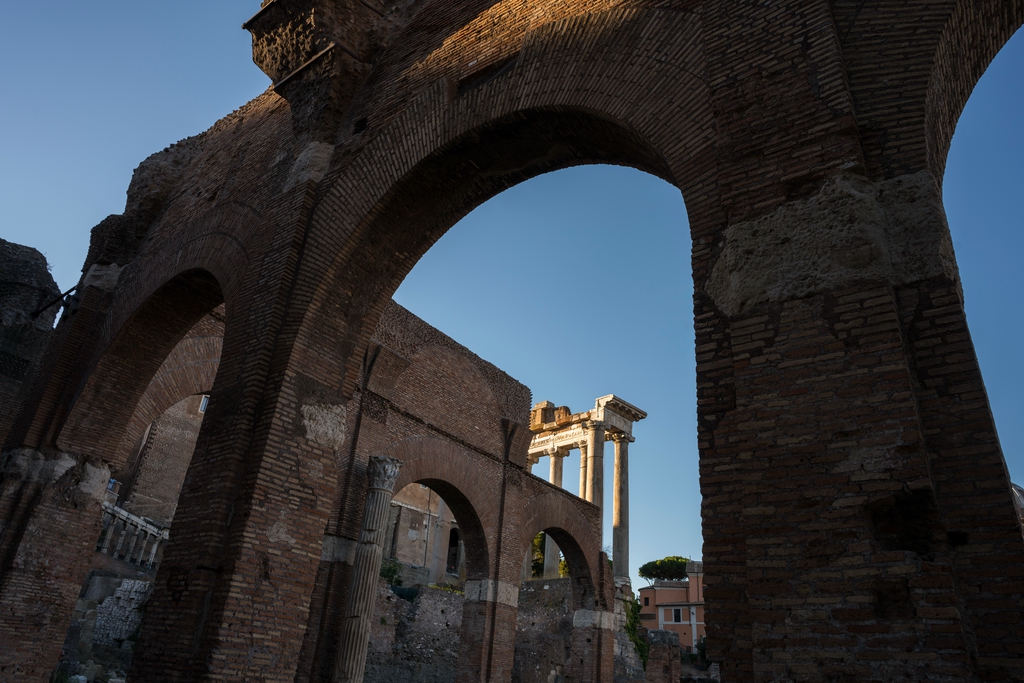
[
  {"x": 190, "y": 369},
  {"x": 460, "y": 479},
  {"x": 577, "y": 536},
  {"x": 101, "y": 410}
]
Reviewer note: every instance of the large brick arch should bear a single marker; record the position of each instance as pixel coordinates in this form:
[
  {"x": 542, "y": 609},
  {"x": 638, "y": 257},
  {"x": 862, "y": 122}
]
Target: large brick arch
[
  {"x": 438, "y": 160},
  {"x": 974, "y": 33},
  {"x": 463, "y": 482}
]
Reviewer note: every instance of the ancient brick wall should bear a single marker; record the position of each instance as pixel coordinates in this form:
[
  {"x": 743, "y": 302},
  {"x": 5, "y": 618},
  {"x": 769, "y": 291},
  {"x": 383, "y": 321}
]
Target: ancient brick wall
[
  {"x": 543, "y": 631},
  {"x": 442, "y": 410},
  {"x": 25, "y": 287},
  {"x": 663, "y": 663},
  {"x": 839, "y": 399},
  {"x": 188, "y": 370},
  {"x": 415, "y": 641}
]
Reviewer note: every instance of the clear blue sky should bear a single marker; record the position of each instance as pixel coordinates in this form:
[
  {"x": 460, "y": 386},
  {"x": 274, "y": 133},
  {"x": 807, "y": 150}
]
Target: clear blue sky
[{"x": 572, "y": 309}]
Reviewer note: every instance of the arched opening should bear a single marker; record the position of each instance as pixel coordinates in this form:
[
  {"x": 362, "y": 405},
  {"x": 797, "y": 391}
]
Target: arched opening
[
  {"x": 554, "y": 635},
  {"x": 137, "y": 523},
  {"x": 455, "y": 179},
  {"x": 583, "y": 314},
  {"x": 434, "y": 547},
  {"x": 148, "y": 446},
  {"x": 983, "y": 173},
  {"x": 424, "y": 537},
  {"x": 103, "y": 408}
]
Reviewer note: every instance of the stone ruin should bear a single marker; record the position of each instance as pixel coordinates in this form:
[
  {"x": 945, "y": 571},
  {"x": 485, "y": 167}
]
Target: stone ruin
[{"x": 858, "y": 517}]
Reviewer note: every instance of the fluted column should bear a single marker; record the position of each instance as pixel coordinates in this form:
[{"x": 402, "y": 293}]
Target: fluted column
[
  {"x": 620, "y": 511},
  {"x": 550, "y": 547},
  {"x": 595, "y": 463},
  {"x": 152, "y": 552},
  {"x": 120, "y": 539},
  {"x": 583, "y": 471},
  {"x": 131, "y": 546},
  {"x": 109, "y": 536},
  {"x": 382, "y": 473},
  {"x": 555, "y": 471}
]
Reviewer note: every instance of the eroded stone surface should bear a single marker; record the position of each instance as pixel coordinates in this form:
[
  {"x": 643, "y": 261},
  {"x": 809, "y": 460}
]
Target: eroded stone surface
[{"x": 853, "y": 230}]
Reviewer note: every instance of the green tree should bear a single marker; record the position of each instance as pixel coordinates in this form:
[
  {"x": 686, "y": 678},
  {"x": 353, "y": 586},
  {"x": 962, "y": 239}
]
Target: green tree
[{"x": 671, "y": 567}]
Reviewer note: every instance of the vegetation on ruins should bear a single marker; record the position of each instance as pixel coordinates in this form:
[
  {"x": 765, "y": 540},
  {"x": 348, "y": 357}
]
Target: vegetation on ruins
[
  {"x": 643, "y": 648},
  {"x": 672, "y": 568},
  {"x": 391, "y": 571},
  {"x": 537, "y": 555}
]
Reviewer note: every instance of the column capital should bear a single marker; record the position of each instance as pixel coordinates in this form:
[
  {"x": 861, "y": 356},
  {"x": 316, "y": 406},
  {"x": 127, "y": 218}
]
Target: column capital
[
  {"x": 595, "y": 424},
  {"x": 382, "y": 472},
  {"x": 619, "y": 437}
]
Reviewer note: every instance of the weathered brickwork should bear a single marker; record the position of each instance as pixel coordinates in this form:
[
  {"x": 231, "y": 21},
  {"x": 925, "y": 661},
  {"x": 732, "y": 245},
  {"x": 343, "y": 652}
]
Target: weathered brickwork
[
  {"x": 446, "y": 414},
  {"x": 840, "y": 405},
  {"x": 26, "y": 286}
]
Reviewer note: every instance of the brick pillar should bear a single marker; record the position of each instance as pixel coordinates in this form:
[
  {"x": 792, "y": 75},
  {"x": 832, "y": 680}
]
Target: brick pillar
[
  {"x": 663, "y": 661},
  {"x": 488, "y": 635},
  {"x": 592, "y": 646},
  {"x": 350, "y": 663},
  {"x": 969, "y": 478},
  {"x": 44, "y": 497},
  {"x": 853, "y": 488}
]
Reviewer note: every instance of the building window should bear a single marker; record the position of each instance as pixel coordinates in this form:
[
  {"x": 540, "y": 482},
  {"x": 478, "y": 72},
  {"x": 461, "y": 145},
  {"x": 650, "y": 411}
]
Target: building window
[
  {"x": 203, "y": 403},
  {"x": 677, "y": 616},
  {"x": 647, "y": 602}
]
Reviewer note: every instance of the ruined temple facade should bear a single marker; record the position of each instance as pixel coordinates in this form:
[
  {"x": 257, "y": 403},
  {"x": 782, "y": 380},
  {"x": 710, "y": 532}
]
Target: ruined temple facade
[{"x": 858, "y": 519}]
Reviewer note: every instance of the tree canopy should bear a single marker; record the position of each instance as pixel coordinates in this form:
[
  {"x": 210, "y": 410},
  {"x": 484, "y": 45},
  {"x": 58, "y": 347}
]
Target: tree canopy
[{"x": 672, "y": 567}]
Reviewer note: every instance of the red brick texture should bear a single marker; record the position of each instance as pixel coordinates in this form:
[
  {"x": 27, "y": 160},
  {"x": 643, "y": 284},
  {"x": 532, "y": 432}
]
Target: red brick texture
[
  {"x": 857, "y": 512},
  {"x": 440, "y": 409}
]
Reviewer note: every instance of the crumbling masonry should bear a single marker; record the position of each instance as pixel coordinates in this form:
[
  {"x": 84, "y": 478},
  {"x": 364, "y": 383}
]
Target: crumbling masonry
[{"x": 858, "y": 519}]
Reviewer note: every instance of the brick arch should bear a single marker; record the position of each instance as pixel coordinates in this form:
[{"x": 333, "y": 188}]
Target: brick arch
[
  {"x": 441, "y": 158},
  {"x": 103, "y": 408},
  {"x": 190, "y": 369},
  {"x": 463, "y": 482},
  {"x": 973, "y": 35},
  {"x": 567, "y": 522}
]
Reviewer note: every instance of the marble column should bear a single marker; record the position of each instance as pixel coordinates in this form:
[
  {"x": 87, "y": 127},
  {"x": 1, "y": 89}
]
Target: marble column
[
  {"x": 555, "y": 471},
  {"x": 620, "y": 511},
  {"x": 583, "y": 471},
  {"x": 131, "y": 546},
  {"x": 152, "y": 552},
  {"x": 550, "y": 547},
  {"x": 382, "y": 473},
  {"x": 595, "y": 463},
  {"x": 111, "y": 530}
]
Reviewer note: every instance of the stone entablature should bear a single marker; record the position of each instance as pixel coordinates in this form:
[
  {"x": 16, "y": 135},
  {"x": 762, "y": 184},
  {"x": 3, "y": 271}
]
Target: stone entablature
[{"x": 556, "y": 430}]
